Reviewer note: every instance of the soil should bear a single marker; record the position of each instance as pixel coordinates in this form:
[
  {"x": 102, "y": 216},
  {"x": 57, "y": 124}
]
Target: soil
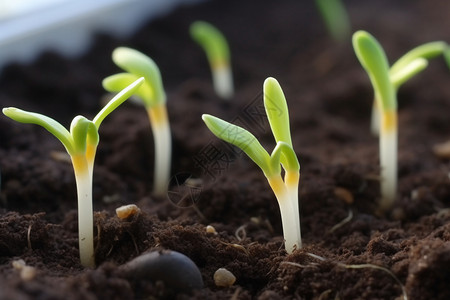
[{"x": 329, "y": 97}]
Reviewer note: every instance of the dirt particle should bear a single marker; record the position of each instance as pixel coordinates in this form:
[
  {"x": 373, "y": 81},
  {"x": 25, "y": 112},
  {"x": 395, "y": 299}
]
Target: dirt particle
[
  {"x": 126, "y": 211},
  {"x": 211, "y": 229},
  {"x": 344, "y": 195},
  {"x": 442, "y": 150},
  {"x": 224, "y": 278}
]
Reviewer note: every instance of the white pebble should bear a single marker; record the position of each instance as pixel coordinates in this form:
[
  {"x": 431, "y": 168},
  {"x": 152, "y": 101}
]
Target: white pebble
[
  {"x": 126, "y": 211},
  {"x": 211, "y": 229},
  {"x": 28, "y": 273},
  {"x": 224, "y": 278}
]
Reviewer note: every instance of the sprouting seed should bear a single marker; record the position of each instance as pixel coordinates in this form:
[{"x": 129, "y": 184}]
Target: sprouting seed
[
  {"x": 217, "y": 51},
  {"x": 407, "y": 66},
  {"x": 335, "y": 18},
  {"x": 373, "y": 59},
  {"x": 152, "y": 94},
  {"x": 81, "y": 144},
  {"x": 286, "y": 191}
]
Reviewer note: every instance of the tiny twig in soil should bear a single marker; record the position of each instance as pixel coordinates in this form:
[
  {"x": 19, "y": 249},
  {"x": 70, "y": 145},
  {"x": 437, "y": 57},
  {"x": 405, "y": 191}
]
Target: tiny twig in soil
[
  {"x": 134, "y": 242},
  {"x": 324, "y": 295},
  {"x": 29, "y": 237},
  {"x": 236, "y": 293},
  {"x": 109, "y": 251},
  {"x": 241, "y": 231},
  {"x": 343, "y": 222},
  {"x": 353, "y": 266},
  {"x": 371, "y": 266},
  {"x": 237, "y": 246},
  {"x": 99, "y": 229}
]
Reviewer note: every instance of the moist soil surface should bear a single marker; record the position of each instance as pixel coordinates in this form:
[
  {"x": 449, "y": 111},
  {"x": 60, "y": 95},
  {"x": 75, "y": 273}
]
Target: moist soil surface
[{"x": 350, "y": 250}]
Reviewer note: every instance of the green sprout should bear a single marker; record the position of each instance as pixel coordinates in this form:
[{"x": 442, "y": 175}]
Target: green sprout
[
  {"x": 217, "y": 51},
  {"x": 373, "y": 59},
  {"x": 81, "y": 144},
  {"x": 152, "y": 94},
  {"x": 336, "y": 18},
  {"x": 286, "y": 191},
  {"x": 406, "y": 67}
]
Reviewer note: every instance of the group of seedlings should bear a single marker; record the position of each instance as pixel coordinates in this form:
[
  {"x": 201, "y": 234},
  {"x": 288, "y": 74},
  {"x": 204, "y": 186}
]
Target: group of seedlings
[{"x": 281, "y": 167}]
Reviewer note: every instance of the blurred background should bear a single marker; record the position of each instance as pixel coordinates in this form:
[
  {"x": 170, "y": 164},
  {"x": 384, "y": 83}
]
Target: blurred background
[{"x": 28, "y": 27}]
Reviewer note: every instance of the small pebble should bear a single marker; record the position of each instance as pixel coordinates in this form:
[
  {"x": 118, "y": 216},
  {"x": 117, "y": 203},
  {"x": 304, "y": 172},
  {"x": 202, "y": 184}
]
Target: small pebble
[
  {"x": 255, "y": 220},
  {"x": 26, "y": 272},
  {"x": 344, "y": 194},
  {"x": 211, "y": 229},
  {"x": 18, "y": 264},
  {"x": 442, "y": 150},
  {"x": 127, "y": 211},
  {"x": 224, "y": 278}
]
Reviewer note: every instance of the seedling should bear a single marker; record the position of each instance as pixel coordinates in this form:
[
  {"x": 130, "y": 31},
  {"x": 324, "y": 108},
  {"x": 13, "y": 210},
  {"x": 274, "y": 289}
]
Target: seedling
[
  {"x": 406, "y": 67},
  {"x": 153, "y": 97},
  {"x": 373, "y": 59},
  {"x": 81, "y": 144},
  {"x": 217, "y": 51},
  {"x": 286, "y": 191},
  {"x": 336, "y": 18}
]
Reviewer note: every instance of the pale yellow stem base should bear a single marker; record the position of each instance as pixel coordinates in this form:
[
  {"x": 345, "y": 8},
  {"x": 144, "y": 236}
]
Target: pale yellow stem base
[
  {"x": 388, "y": 159},
  {"x": 163, "y": 147},
  {"x": 287, "y": 196},
  {"x": 223, "y": 81},
  {"x": 83, "y": 177}
]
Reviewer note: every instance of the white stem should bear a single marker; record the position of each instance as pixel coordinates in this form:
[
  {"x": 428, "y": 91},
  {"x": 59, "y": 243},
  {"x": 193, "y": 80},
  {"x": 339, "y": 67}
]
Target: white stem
[
  {"x": 293, "y": 193},
  {"x": 223, "y": 82},
  {"x": 287, "y": 198},
  {"x": 163, "y": 156},
  {"x": 290, "y": 220},
  {"x": 85, "y": 217},
  {"x": 388, "y": 164}
]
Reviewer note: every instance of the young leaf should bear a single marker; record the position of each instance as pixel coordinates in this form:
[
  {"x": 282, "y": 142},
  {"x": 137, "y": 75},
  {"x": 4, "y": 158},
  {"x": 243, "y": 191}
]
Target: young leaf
[
  {"x": 374, "y": 60},
  {"x": 118, "y": 99},
  {"x": 408, "y": 71},
  {"x": 335, "y": 17},
  {"x": 282, "y": 149},
  {"x": 117, "y": 82},
  {"x": 425, "y": 51},
  {"x": 285, "y": 190},
  {"x": 48, "y": 123},
  {"x": 79, "y": 129},
  {"x": 277, "y": 111},
  {"x": 213, "y": 42},
  {"x": 141, "y": 65},
  {"x": 241, "y": 138}
]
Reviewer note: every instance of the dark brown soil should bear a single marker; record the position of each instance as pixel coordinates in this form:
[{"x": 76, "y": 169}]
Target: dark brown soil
[{"x": 329, "y": 97}]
